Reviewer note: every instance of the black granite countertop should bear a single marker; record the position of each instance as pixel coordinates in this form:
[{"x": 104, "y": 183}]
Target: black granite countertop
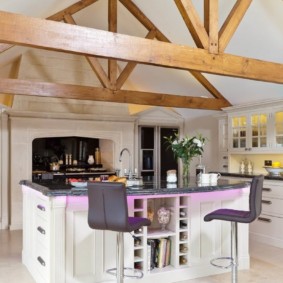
[
  {"x": 60, "y": 188},
  {"x": 246, "y": 175}
]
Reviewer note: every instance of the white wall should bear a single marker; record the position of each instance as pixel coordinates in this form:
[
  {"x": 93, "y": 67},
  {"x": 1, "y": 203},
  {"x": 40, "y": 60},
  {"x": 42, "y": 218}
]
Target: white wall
[{"x": 205, "y": 123}]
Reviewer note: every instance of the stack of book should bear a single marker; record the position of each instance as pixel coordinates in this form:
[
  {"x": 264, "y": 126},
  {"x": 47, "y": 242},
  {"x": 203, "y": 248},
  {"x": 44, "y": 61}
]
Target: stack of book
[{"x": 158, "y": 252}]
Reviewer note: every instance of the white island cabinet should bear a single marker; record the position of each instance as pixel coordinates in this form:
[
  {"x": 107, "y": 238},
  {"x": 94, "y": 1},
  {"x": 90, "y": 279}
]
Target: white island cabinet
[{"x": 59, "y": 247}]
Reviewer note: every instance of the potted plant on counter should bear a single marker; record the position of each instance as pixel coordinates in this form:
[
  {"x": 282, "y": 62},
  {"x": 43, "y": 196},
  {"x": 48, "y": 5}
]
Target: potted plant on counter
[{"x": 186, "y": 149}]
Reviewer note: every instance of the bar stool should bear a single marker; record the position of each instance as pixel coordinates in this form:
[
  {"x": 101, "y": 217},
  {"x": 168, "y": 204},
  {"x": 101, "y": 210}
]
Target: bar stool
[
  {"x": 108, "y": 210},
  {"x": 235, "y": 217}
]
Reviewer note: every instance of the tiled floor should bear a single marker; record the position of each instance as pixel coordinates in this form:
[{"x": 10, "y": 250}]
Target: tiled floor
[{"x": 266, "y": 264}]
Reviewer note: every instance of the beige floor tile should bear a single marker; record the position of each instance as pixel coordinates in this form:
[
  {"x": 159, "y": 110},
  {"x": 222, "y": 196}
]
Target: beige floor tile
[{"x": 266, "y": 264}]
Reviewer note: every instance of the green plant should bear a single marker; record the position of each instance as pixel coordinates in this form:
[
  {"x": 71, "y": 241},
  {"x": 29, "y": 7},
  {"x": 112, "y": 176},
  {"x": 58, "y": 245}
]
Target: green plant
[{"x": 187, "y": 147}]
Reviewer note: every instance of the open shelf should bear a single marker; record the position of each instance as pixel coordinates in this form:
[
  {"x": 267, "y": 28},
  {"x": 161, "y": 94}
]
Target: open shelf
[{"x": 158, "y": 233}]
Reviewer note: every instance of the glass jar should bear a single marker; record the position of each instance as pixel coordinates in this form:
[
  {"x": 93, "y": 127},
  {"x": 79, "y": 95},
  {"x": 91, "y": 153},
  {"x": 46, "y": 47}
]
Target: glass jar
[{"x": 171, "y": 176}]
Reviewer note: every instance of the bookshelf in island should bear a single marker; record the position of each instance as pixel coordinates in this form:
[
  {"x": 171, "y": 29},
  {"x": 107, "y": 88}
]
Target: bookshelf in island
[{"x": 59, "y": 247}]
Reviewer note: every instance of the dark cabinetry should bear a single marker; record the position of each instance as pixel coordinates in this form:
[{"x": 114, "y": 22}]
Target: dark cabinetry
[{"x": 155, "y": 158}]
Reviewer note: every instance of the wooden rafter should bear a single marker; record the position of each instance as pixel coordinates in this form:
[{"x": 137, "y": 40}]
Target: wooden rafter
[
  {"x": 22, "y": 87},
  {"x": 141, "y": 17},
  {"x": 85, "y": 41},
  {"x": 71, "y": 10},
  {"x": 4, "y": 47},
  {"x": 205, "y": 36},
  {"x": 131, "y": 65},
  {"x": 193, "y": 23},
  {"x": 112, "y": 26},
  {"x": 59, "y": 17},
  {"x": 232, "y": 22},
  {"x": 93, "y": 62},
  {"x": 212, "y": 13}
]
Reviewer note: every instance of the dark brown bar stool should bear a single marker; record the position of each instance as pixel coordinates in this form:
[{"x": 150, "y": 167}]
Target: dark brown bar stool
[
  {"x": 108, "y": 210},
  {"x": 235, "y": 217}
]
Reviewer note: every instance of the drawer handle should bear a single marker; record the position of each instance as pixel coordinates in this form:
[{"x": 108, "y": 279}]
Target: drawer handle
[
  {"x": 264, "y": 219},
  {"x": 41, "y": 230},
  {"x": 41, "y": 261},
  {"x": 266, "y": 189},
  {"x": 41, "y": 207},
  {"x": 225, "y": 166},
  {"x": 225, "y": 157},
  {"x": 266, "y": 201}
]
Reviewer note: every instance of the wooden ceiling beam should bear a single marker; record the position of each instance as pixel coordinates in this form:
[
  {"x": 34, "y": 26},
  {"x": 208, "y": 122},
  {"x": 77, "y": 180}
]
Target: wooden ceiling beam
[
  {"x": 193, "y": 23},
  {"x": 31, "y": 88},
  {"x": 232, "y": 22},
  {"x": 141, "y": 17},
  {"x": 71, "y": 10},
  {"x": 86, "y": 41},
  {"x": 112, "y": 27},
  {"x": 211, "y": 12},
  {"x": 93, "y": 62},
  {"x": 131, "y": 65},
  {"x": 209, "y": 87},
  {"x": 4, "y": 47},
  {"x": 59, "y": 17}
]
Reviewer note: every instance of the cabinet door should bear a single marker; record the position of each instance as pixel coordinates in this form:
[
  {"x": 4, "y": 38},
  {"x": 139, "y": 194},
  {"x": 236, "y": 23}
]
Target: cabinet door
[
  {"x": 248, "y": 132},
  {"x": 238, "y": 132},
  {"x": 258, "y": 124},
  {"x": 278, "y": 130},
  {"x": 223, "y": 135}
]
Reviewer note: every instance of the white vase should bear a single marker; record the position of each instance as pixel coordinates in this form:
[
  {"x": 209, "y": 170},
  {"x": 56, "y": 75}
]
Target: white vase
[{"x": 90, "y": 160}]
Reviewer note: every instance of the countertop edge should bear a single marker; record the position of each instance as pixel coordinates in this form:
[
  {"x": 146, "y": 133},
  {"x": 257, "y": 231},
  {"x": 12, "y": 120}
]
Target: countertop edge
[{"x": 70, "y": 191}]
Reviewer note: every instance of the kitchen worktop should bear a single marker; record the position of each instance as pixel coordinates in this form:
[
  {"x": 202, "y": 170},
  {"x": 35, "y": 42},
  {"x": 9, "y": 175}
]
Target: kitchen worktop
[
  {"x": 61, "y": 188},
  {"x": 247, "y": 175}
]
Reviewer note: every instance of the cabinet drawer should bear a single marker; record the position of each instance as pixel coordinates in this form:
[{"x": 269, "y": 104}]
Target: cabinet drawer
[
  {"x": 272, "y": 205},
  {"x": 272, "y": 190},
  {"x": 42, "y": 262},
  {"x": 42, "y": 230},
  {"x": 268, "y": 225},
  {"x": 42, "y": 208}
]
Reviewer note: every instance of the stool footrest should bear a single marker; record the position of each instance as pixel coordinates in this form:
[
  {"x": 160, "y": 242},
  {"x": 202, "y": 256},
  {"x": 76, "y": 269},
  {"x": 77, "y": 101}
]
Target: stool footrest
[
  {"x": 231, "y": 263},
  {"x": 138, "y": 274}
]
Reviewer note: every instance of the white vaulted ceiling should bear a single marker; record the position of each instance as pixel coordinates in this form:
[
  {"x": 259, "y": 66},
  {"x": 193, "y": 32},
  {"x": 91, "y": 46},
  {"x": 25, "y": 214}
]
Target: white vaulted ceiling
[{"x": 259, "y": 36}]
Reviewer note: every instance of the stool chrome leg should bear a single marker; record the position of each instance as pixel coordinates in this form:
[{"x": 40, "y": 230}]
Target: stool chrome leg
[
  {"x": 233, "y": 259},
  {"x": 234, "y": 252},
  {"x": 119, "y": 271},
  {"x": 120, "y": 257}
]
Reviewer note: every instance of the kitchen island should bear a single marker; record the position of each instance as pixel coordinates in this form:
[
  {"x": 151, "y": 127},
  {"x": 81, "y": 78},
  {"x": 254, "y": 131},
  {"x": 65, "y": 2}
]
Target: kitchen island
[{"x": 58, "y": 245}]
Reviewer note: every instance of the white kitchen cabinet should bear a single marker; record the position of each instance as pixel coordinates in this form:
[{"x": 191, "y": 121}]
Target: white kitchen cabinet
[
  {"x": 248, "y": 132},
  {"x": 253, "y": 128},
  {"x": 44, "y": 236},
  {"x": 276, "y": 132},
  {"x": 223, "y": 157},
  {"x": 268, "y": 228},
  {"x": 59, "y": 247}
]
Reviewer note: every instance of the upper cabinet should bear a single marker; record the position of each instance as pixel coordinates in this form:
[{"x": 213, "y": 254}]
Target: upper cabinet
[
  {"x": 254, "y": 128},
  {"x": 277, "y": 121},
  {"x": 249, "y": 132}
]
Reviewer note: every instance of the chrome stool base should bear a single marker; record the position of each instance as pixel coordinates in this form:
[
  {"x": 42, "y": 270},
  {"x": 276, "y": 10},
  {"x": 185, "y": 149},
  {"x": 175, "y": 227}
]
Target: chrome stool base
[
  {"x": 212, "y": 262},
  {"x": 137, "y": 274},
  {"x": 233, "y": 259},
  {"x": 119, "y": 272}
]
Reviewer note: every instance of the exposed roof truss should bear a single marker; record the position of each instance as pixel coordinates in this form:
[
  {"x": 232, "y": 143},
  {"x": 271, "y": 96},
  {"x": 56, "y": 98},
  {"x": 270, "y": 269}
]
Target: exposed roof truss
[{"x": 209, "y": 57}]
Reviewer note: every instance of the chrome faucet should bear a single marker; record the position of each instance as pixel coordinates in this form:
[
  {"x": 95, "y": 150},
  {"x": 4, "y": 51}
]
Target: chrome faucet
[{"x": 130, "y": 160}]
